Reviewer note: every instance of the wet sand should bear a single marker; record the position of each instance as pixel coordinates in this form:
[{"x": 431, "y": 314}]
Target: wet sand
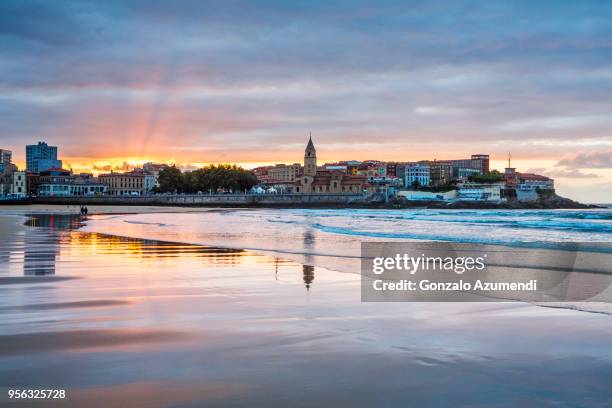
[
  {"x": 145, "y": 323},
  {"x": 95, "y": 209}
]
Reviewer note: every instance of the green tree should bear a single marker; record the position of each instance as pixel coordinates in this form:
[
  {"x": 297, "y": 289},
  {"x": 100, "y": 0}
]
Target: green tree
[
  {"x": 170, "y": 180},
  {"x": 222, "y": 177},
  {"x": 490, "y": 177}
]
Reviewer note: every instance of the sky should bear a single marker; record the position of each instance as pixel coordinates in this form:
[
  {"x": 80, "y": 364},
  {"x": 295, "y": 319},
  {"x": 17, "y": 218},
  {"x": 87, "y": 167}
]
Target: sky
[{"x": 114, "y": 84}]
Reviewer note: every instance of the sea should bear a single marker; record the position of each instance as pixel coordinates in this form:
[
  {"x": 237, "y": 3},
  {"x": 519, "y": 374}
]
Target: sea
[
  {"x": 262, "y": 307},
  {"x": 332, "y": 238}
]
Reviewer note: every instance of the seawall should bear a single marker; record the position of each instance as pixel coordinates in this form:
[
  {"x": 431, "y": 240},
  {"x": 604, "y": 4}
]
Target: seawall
[{"x": 215, "y": 200}]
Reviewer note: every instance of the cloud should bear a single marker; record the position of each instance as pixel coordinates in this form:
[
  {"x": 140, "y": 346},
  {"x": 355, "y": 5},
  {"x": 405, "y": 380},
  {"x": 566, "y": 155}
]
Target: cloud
[
  {"x": 205, "y": 81},
  {"x": 572, "y": 165},
  {"x": 555, "y": 123},
  {"x": 106, "y": 167},
  {"x": 438, "y": 110},
  {"x": 125, "y": 166},
  {"x": 187, "y": 167},
  {"x": 596, "y": 159},
  {"x": 562, "y": 173}
]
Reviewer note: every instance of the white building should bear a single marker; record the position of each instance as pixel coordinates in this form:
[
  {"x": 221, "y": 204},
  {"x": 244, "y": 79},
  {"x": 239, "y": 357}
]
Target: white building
[
  {"x": 480, "y": 192},
  {"x": 19, "y": 187},
  {"x": 150, "y": 182},
  {"x": 529, "y": 181},
  {"x": 416, "y": 195},
  {"x": 68, "y": 189},
  {"x": 418, "y": 172}
]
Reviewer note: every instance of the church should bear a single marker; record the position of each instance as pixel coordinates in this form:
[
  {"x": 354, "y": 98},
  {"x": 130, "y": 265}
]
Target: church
[{"x": 324, "y": 181}]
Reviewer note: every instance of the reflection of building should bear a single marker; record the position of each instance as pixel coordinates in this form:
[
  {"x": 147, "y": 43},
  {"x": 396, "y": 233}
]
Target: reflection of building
[
  {"x": 323, "y": 181},
  {"x": 42, "y": 244},
  {"x": 40, "y": 251},
  {"x": 308, "y": 275},
  {"x": 41, "y": 157}
]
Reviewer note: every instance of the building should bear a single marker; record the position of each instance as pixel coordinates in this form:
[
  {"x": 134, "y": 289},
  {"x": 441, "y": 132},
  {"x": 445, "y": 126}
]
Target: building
[
  {"x": 392, "y": 169},
  {"x": 131, "y": 183},
  {"x": 6, "y": 178},
  {"x": 310, "y": 159},
  {"x": 420, "y": 195},
  {"x": 417, "y": 174},
  {"x": 41, "y": 157},
  {"x": 372, "y": 169},
  {"x": 58, "y": 182},
  {"x": 261, "y": 173},
  {"x": 480, "y": 162},
  {"x": 386, "y": 185},
  {"x": 324, "y": 181},
  {"x": 336, "y": 167},
  {"x": 464, "y": 173},
  {"x": 284, "y": 173},
  {"x": 19, "y": 187},
  {"x": 154, "y": 168},
  {"x": 461, "y": 169},
  {"x": 480, "y": 192},
  {"x": 526, "y": 181},
  {"x": 351, "y": 166},
  {"x": 152, "y": 174},
  {"x": 5, "y": 158},
  {"x": 427, "y": 174},
  {"x": 530, "y": 181},
  {"x": 150, "y": 182},
  {"x": 400, "y": 171}
]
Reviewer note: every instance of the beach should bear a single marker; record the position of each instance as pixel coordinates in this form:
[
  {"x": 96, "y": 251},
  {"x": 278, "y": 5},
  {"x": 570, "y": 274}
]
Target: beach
[
  {"x": 226, "y": 308},
  {"x": 93, "y": 209}
]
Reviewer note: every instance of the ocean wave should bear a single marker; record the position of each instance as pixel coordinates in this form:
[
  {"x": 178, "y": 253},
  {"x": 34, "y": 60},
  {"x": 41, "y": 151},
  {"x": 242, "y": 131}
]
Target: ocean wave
[
  {"x": 566, "y": 246},
  {"x": 585, "y": 307}
]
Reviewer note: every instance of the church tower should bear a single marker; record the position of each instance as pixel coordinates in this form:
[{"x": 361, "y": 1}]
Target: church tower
[{"x": 310, "y": 159}]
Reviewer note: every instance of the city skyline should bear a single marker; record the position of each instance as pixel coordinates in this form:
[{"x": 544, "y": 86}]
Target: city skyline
[{"x": 243, "y": 83}]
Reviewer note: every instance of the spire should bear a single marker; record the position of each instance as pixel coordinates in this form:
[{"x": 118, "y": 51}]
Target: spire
[
  {"x": 310, "y": 147},
  {"x": 310, "y": 159}
]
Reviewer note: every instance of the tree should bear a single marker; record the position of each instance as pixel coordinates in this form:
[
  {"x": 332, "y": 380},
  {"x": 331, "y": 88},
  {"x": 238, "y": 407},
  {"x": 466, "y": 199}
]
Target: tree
[
  {"x": 170, "y": 180},
  {"x": 416, "y": 184},
  {"x": 225, "y": 177},
  {"x": 490, "y": 177}
]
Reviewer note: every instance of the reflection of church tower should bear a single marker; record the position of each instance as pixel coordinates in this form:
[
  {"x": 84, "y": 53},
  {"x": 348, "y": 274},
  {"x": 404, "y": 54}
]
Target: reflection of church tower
[
  {"x": 308, "y": 272},
  {"x": 310, "y": 159}
]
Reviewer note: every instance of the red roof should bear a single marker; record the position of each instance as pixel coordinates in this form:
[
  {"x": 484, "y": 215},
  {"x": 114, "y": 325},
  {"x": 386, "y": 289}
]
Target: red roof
[{"x": 533, "y": 176}]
